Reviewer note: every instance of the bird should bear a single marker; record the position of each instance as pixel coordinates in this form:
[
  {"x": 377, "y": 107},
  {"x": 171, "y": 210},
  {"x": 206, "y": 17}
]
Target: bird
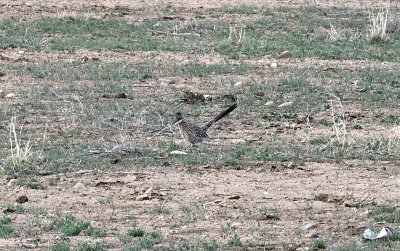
[{"x": 196, "y": 134}]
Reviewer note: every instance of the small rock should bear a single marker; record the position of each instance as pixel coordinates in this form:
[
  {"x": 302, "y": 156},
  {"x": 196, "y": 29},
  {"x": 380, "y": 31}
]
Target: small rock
[
  {"x": 79, "y": 185},
  {"x": 143, "y": 197},
  {"x": 238, "y": 141},
  {"x": 289, "y": 165},
  {"x": 314, "y": 235},
  {"x": 10, "y": 95},
  {"x": 12, "y": 182},
  {"x": 22, "y": 199},
  {"x": 234, "y": 197},
  {"x": 29, "y": 4},
  {"x": 238, "y": 84},
  {"x": 21, "y": 52},
  {"x": 176, "y": 152},
  {"x": 274, "y": 65},
  {"x": 366, "y": 213},
  {"x": 207, "y": 97},
  {"x": 309, "y": 225},
  {"x": 322, "y": 197},
  {"x": 285, "y": 54},
  {"x": 236, "y": 224},
  {"x": 286, "y": 104},
  {"x": 351, "y": 203},
  {"x": 124, "y": 149},
  {"x": 359, "y": 83},
  {"x": 269, "y": 103}
]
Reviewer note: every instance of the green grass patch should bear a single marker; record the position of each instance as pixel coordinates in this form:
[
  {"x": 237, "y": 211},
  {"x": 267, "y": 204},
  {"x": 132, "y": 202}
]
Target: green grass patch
[
  {"x": 87, "y": 246},
  {"x": 143, "y": 239},
  {"x": 6, "y": 230},
  {"x": 387, "y": 214},
  {"x": 60, "y": 246},
  {"x": 270, "y": 34},
  {"x": 136, "y": 232},
  {"x": 234, "y": 241},
  {"x": 70, "y": 226}
]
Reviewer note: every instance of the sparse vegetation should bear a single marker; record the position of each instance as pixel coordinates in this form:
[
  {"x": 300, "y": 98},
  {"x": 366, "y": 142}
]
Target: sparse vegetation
[
  {"x": 387, "y": 214},
  {"x": 136, "y": 232},
  {"x": 78, "y": 83},
  {"x": 69, "y": 225},
  {"x": 61, "y": 246}
]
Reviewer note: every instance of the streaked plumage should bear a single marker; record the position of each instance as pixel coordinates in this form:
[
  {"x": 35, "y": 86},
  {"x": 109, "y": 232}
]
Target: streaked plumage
[{"x": 195, "y": 134}]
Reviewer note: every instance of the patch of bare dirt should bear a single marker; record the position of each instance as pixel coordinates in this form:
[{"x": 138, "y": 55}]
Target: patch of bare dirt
[{"x": 337, "y": 198}]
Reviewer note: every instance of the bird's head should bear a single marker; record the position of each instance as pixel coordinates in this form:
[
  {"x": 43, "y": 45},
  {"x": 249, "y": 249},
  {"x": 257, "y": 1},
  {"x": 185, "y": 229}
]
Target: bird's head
[{"x": 178, "y": 118}]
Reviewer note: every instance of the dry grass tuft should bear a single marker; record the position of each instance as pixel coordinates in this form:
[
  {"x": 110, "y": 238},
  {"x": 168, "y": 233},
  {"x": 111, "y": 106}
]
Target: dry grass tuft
[
  {"x": 378, "y": 27},
  {"x": 334, "y": 35},
  {"x": 20, "y": 159},
  {"x": 237, "y": 33}
]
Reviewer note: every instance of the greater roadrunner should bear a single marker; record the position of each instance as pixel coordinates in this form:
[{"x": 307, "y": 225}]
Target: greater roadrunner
[{"x": 194, "y": 134}]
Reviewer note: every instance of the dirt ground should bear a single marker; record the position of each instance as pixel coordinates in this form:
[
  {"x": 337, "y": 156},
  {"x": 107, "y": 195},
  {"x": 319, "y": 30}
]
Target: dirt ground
[
  {"x": 327, "y": 194},
  {"x": 265, "y": 205}
]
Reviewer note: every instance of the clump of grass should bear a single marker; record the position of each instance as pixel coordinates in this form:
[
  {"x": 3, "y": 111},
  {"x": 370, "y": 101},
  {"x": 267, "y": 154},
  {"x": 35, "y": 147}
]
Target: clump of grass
[
  {"x": 378, "y": 27},
  {"x": 70, "y": 226},
  {"x": 319, "y": 244},
  {"x": 91, "y": 231},
  {"x": 20, "y": 159},
  {"x": 161, "y": 210},
  {"x": 144, "y": 240},
  {"x": 387, "y": 214},
  {"x": 86, "y": 246},
  {"x": 235, "y": 241},
  {"x": 31, "y": 183},
  {"x": 172, "y": 146},
  {"x": 61, "y": 246},
  {"x": 5, "y": 229},
  {"x": 136, "y": 232}
]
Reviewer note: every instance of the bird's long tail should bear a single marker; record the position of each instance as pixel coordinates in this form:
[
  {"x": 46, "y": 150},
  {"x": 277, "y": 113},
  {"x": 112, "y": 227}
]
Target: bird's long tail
[{"x": 220, "y": 116}]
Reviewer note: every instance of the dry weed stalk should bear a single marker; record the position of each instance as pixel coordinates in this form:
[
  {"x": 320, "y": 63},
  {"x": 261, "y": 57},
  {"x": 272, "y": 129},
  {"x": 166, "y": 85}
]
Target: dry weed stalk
[
  {"x": 377, "y": 30},
  {"x": 339, "y": 121},
  {"x": 20, "y": 158},
  {"x": 239, "y": 34},
  {"x": 334, "y": 35}
]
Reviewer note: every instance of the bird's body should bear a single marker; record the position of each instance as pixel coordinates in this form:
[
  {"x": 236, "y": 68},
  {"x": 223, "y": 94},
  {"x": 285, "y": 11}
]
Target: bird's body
[{"x": 195, "y": 134}]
